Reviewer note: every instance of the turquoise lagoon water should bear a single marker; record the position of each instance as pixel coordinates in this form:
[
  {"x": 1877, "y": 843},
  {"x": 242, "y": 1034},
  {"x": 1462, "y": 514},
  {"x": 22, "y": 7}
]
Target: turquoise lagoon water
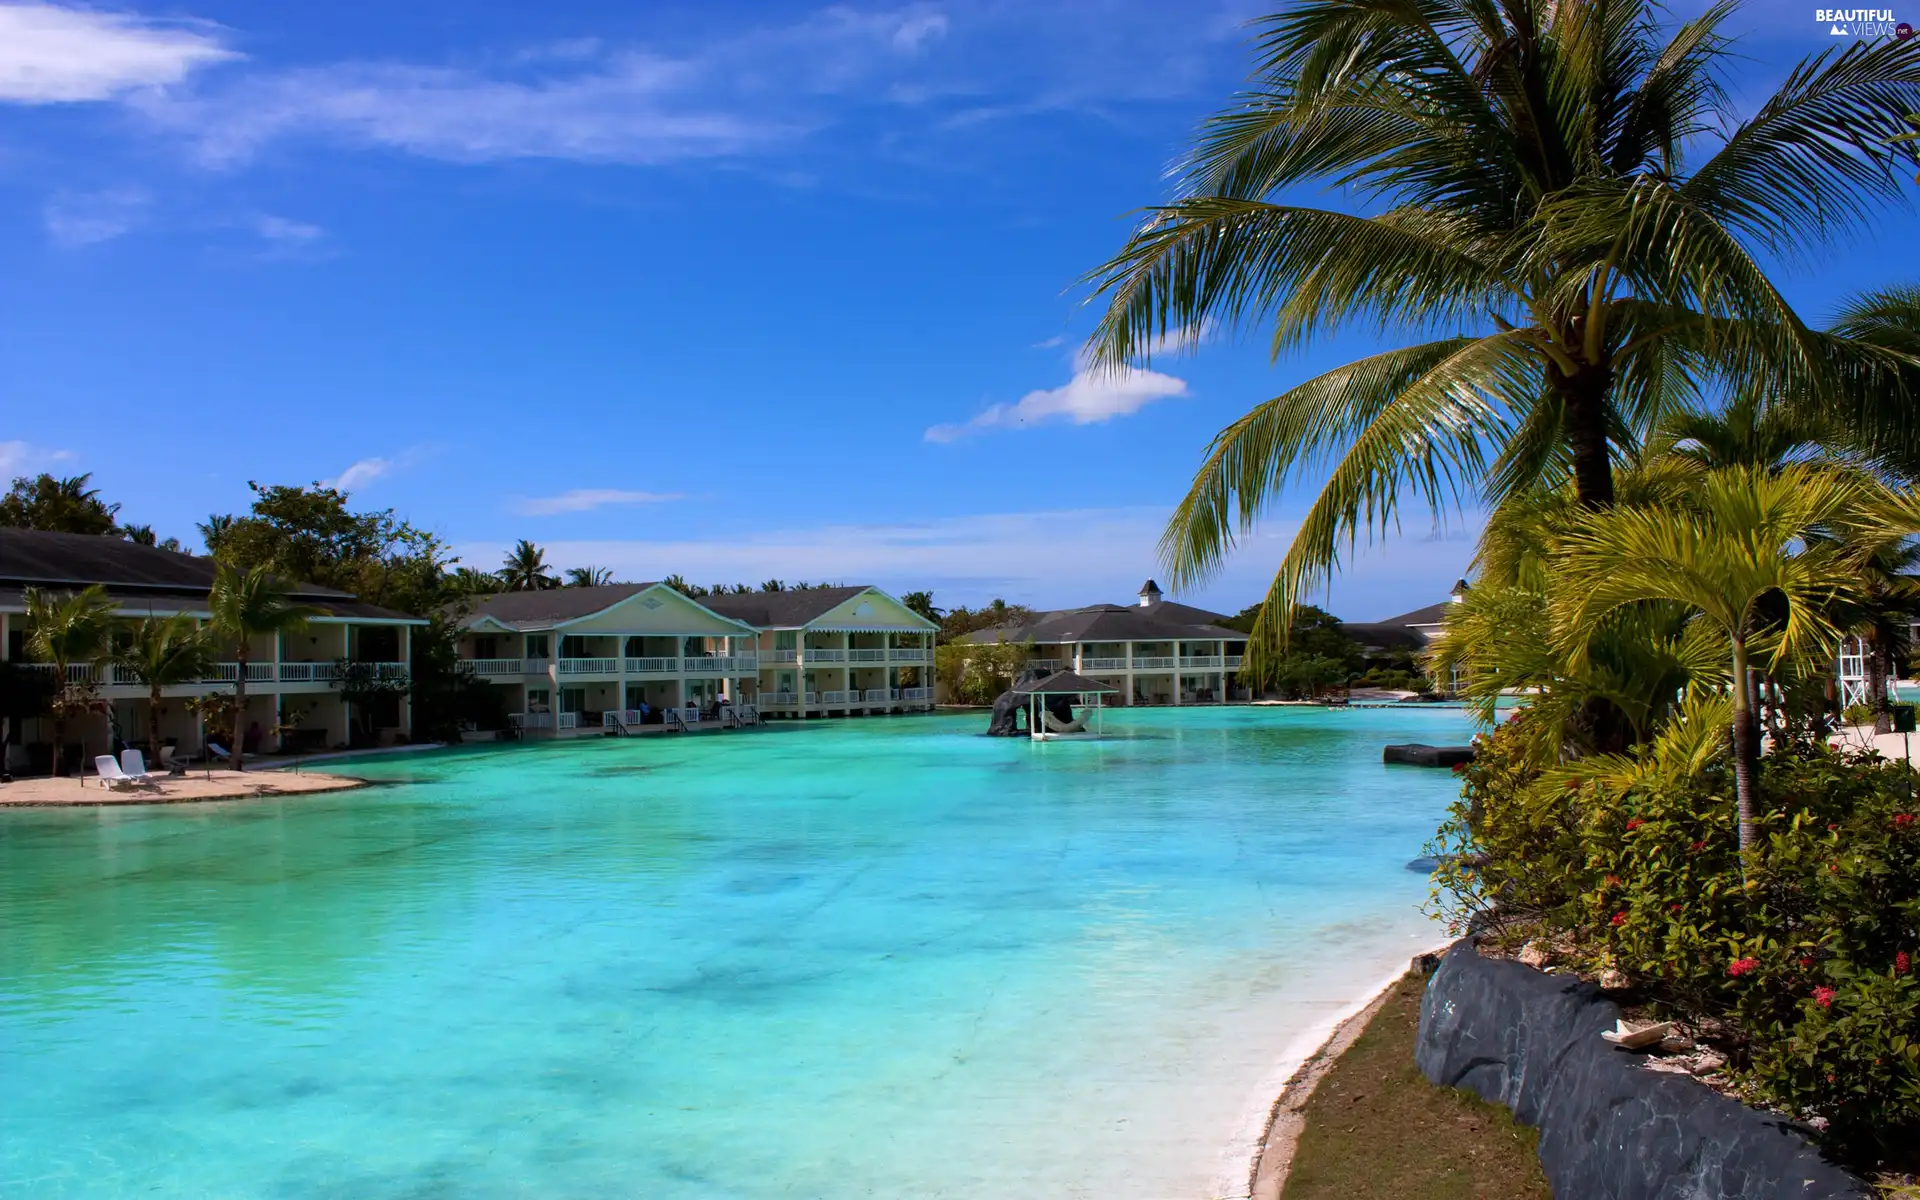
[{"x": 880, "y": 958}]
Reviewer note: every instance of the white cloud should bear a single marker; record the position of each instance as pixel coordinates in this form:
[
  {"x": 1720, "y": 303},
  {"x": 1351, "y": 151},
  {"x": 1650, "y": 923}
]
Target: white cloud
[
  {"x": 916, "y": 31},
  {"x": 361, "y": 473},
  {"x": 281, "y": 229},
  {"x": 1048, "y": 559},
  {"x": 51, "y": 54},
  {"x": 588, "y": 499},
  {"x": 1058, "y": 339},
  {"x": 1092, "y": 396},
  {"x": 19, "y": 458},
  {"x": 86, "y": 218}
]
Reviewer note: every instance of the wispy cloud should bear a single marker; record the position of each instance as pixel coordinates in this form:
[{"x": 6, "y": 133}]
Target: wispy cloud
[
  {"x": 361, "y": 473},
  {"x": 1091, "y": 397},
  {"x": 1048, "y": 559},
  {"x": 17, "y": 457},
  {"x": 52, "y": 54},
  {"x": 1058, "y": 339},
  {"x": 282, "y": 229},
  {"x": 86, "y": 218},
  {"x": 588, "y": 499}
]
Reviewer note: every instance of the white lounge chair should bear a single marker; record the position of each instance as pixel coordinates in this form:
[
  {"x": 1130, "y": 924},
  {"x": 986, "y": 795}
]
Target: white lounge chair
[
  {"x": 216, "y": 750},
  {"x": 111, "y": 776},
  {"x": 134, "y": 765}
]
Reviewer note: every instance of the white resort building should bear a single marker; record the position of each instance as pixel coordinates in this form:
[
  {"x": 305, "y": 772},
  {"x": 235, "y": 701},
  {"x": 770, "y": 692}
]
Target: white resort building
[
  {"x": 1153, "y": 652},
  {"x": 587, "y": 659},
  {"x": 290, "y": 678}
]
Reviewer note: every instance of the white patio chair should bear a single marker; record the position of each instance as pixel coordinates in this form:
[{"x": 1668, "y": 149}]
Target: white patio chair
[
  {"x": 134, "y": 765},
  {"x": 111, "y": 776}
]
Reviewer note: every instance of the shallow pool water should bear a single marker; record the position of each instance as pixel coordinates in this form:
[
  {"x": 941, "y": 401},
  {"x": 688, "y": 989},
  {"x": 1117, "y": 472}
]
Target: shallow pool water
[{"x": 880, "y": 958}]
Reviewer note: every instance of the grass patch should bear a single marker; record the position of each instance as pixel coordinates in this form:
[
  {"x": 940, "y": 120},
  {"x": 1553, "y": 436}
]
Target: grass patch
[{"x": 1376, "y": 1128}]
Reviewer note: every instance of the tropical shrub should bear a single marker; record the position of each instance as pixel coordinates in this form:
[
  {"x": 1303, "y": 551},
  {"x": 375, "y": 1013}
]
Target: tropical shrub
[{"x": 1805, "y": 967}]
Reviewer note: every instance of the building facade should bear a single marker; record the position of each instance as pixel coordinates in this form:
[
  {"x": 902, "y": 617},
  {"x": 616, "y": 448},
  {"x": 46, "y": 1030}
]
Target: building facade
[
  {"x": 586, "y": 659},
  {"x": 1152, "y": 652},
  {"x": 291, "y": 683}
]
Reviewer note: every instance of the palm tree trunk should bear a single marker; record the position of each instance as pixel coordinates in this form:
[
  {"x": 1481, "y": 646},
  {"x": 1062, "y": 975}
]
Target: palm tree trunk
[
  {"x": 239, "y": 707},
  {"x": 153, "y": 726},
  {"x": 59, "y": 737},
  {"x": 1746, "y": 752},
  {"x": 1879, "y": 664},
  {"x": 1583, "y": 400}
]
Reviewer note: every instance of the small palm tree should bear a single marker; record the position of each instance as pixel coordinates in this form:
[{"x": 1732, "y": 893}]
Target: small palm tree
[
  {"x": 1793, "y": 538},
  {"x": 469, "y": 581},
  {"x": 165, "y": 652},
  {"x": 69, "y": 629},
  {"x": 247, "y": 601},
  {"x": 525, "y": 569},
  {"x": 589, "y": 576}
]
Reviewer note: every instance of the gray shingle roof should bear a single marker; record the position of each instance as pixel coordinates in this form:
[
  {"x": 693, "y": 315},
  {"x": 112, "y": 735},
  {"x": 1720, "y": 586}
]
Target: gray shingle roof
[
  {"x": 1065, "y": 682},
  {"x": 1113, "y": 623},
  {"x": 782, "y": 610},
  {"x": 139, "y": 577},
  {"x": 541, "y": 609}
]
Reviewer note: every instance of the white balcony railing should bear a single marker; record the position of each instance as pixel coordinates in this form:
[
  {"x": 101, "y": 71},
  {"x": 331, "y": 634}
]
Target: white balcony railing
[
  {"x": 912, "y": 654},
  {"x": 1232, "y": 661},
  {"x": 916, "y": 693},
  {"x": 652, "y": 666},
  {"x": 1044, "y": 664},
  {"x": 878, "y": 696},
  {"x": 813, "y": 698},
  {"x": 536, "y": 666},
  {"x": 569, "y": 720},
  {"x": 488, "y": 668},
  {"x": 867, "y": 655},
  {"x": 589, "y": 666},
  {"x": 538, "y": 720},
  {"x": 306, "y": 672},
  {"x": 768, "y": 699},
  {"x": 782, "y": 656},
  {"x": 1153, "y": 663},
  {"x": 824, "y": 655},
  {"x": 1200, "y": 660},
  {"x": 834, "y": 697},
  {"x": 721, "y": 664},
  {"x": 1103, "y": 664}
]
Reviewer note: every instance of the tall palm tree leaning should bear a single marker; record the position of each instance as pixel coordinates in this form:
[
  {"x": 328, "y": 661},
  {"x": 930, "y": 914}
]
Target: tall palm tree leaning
[
  {"x": 165, "y": 652},
  {"x": 69, "y": 629},
  {"x": 1549, "y": 180},
  {"x": 525, "y": 569},
  {"x": 246, "y": 602},
  {"x": 1801, "y": 534}
]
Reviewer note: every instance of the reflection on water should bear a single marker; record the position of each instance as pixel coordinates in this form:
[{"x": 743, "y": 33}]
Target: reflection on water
[{"x": 881, "y": 957}]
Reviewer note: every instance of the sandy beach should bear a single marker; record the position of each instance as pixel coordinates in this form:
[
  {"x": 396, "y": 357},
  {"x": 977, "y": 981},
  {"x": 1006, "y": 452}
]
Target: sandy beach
[{"x": 169, "y": 789}]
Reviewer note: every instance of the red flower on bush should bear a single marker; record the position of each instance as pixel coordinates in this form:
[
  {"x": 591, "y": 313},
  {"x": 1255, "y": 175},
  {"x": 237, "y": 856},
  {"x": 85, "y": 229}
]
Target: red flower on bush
[
  {"x": 1806, "y": 964},
  {"x": 1903, "y": 820},
  {"x": 1619, "y": 919},
  {"x": 1573, "y": 785},
  {"x": 1823, "y": 996},
  {"x": 1613, "y": 881},
  {"x": 1674, "y": 907},
  {"x": 1740, "y": 966},
  {"x": 1697, "y": 847},
  {"x": 1902, "y": 963},
  {"x": 1634, "y": 824}
]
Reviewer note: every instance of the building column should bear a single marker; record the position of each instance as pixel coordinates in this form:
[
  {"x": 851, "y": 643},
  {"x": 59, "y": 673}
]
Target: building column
[
  {"x": 800, "y": 672},
  {"x": 1127, "y": 650},
  {"x": 406, "y": 697},
  {"x": 620, "y": 676},
  {"x": 1176, "y": 672}
]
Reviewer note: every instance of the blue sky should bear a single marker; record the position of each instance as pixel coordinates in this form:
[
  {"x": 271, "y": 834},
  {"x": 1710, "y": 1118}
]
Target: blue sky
[{"x": 734, "y": 290}]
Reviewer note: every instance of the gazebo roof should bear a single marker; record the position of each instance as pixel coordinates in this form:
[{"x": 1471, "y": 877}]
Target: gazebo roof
[{"x": 1063, "y": 683}]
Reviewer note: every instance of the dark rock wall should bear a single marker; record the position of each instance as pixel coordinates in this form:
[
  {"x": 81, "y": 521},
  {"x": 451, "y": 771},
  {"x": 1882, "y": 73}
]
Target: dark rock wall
[{"x": 1609, "y": 1129}]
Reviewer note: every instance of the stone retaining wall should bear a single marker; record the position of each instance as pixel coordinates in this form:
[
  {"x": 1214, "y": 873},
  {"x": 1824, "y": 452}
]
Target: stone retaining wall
[{"x": 1609, "y": 1128}]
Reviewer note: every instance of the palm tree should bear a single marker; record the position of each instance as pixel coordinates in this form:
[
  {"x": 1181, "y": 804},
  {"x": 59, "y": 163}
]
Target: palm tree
[
  {"x": 469, "y": 581},
  {"x": 1529, "y": 180},
  {"x": 70, "y": 629},
  {"x": 213, "y": 530},
  {"x": 1793, "y": 538},
  {"x": 525, "y": 569},
  {"x": 165, "y": 652},
  {"x": 247, "y": 602},
  {"x": 589, "y": 576}
]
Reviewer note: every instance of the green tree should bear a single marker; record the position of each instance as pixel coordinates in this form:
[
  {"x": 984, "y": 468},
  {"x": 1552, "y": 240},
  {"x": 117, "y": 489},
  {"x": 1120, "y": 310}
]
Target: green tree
[
  {"x": 248, "y": 602},
  {"x": 922, "y": 603},
  {"x": 1567, "y": 184},
  {"x": 469, "y": 581},
  {"x": 164, "y": 652},
  {"x": 1793, "y": 538},
  {"x": 311, "y": 535},
  {"x": 526, "y": 570},
  {"x": 58, "y": 506},
  {"x": 70, "y": 629},
  {"x": 774, "y": 585},
  {"x": 589, "y": 576}
]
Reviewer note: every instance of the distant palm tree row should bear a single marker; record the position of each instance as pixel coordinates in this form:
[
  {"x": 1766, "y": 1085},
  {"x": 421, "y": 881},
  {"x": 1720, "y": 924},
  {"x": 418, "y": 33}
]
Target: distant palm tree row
[{"x": 525, "y": 569}]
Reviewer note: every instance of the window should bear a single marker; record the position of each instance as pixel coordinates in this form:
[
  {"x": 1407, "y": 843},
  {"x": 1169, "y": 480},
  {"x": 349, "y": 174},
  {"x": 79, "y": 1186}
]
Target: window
[
  {"x": 537, "y": 647},
  {"x": 486, "y": 646},
  {"x": 574, "y": 647},
  {"x": 573, "y": 700},
  {"x": 536, "y": 700},
  {"x": 786, "y": 639}
]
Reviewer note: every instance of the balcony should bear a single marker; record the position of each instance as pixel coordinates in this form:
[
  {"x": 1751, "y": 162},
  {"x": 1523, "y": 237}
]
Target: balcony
[
  {"x": 837, "y": 698},
  {"x": 824, "y": 655},
  {"x": 491, "y": 668},
  {"x": 537, "y": 666},
  {"x": 306, "y": 672},
  {"x": 1232, "y": 661},
  {"x": 652, "y": 666},
  {"x": 1044, "y": 664},
  {"x": 867, "y": 655},
  {"x": 1154, "y": 663},
  {"x": 538, "y": 720},
  {"x": 880, "y": 695},
  {"x": 907, "y": 654},
  {"x": 1199, "y": 661},
  {"x": 777, "y": 699},
  {"x": 1103, "y": 664},
  {"x": 782, "y": 656},
  {"x": 589, "y": 666},
  {"x": 918, "y": 693},
  {"x": 721, "y": 664}
]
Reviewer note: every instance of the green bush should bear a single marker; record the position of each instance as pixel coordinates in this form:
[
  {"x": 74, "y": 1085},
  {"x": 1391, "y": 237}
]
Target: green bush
[{"x": 1807, "y": 964}]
